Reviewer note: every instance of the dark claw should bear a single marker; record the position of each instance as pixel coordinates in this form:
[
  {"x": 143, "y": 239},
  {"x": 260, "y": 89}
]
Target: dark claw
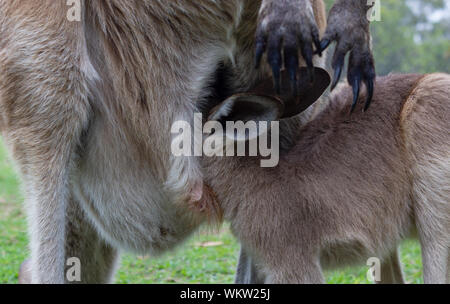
[
  {"x": 260, "y": 49},
  {"x": 291, "y": 63},
  {"x": 275, "y": 62},
  {"x": 274, "y": 58},
  {"x": 369, "y": 84},
  {"x": 293, "y": 79},
  {"x": 323, "y": 46},
  {"x": 316, "y": 40},
  {"x": 276, "y": 80},
  {"x": 356, "y": 88},
  {"x": 337, "y": 76},
  {"x": 307, "y": 53}
]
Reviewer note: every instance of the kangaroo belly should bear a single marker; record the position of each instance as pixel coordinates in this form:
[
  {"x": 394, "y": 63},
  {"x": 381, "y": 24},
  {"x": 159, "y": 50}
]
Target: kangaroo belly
[{"x": 124, "y": 199}]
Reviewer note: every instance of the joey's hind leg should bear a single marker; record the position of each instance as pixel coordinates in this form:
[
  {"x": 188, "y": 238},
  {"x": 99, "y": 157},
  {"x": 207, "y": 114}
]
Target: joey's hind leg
[
  {"x": 432, "y": 225},
  {"x": 247, "y": 270},
  {"x": 296, "y": 271},
  {"x": 97, "y": 259},
  {"x": 391, "y": 270},
  {"x": 427, "y": 136},
  {"x": 434, "y": 240}
]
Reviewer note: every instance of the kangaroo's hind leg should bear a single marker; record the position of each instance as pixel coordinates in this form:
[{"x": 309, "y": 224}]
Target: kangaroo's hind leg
[
  {"x": 98, "y": 259},
  {"x": 426, "y": 124}
]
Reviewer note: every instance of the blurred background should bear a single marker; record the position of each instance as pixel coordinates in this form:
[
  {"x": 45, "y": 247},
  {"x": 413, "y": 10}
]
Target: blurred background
[{"x": 412, "y": 36}]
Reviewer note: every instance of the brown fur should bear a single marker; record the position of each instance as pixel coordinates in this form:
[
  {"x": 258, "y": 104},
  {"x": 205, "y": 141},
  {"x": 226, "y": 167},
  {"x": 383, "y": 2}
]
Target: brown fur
[
  {"x": 350, "y": 188},
  {"x": 86, "y": 109}
]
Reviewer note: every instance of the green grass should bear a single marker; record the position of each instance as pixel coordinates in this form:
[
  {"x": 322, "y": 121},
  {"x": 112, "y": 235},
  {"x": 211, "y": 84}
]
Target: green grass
[{"x": 206, "y": 258}]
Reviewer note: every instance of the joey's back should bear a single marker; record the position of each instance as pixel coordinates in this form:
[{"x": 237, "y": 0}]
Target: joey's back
[{"x": 345, "y": 175}]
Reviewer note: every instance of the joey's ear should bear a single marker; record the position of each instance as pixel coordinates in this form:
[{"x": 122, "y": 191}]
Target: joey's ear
[
  {"x": 307, "y": 92},
  {"x": 248, "y": 108}
]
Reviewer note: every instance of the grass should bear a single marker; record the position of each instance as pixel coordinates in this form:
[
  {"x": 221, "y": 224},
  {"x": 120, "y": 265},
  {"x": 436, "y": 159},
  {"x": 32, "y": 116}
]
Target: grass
[{"x": 206, "y": 258}]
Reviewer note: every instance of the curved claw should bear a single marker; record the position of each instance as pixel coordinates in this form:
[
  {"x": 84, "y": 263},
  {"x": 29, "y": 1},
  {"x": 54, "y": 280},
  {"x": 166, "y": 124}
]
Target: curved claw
[
  {"x": 356, "y": 88},
  {"x": 370, "y": 89},
  {"x": 307, "y": 53},
  {"x": 337, "y": 76},
  {"x": 316, "y": 40},
  {"x": 274, "y": 58},
  {"x": 276, "y": 78},
  {"x": 260, "y": 49},
  {"x": 291, "y": 62},
  {"x": 361, "y": 67},
  {"x": 275, "y": 63},
  {"x": 324, "y": 44},
  {"x": 338, "y": 64}
]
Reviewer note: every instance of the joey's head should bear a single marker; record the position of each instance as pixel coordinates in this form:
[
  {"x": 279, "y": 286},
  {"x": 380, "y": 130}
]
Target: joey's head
[
  {"x": 250, "y": 122},
  {"x": 262, "y": 101}
]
